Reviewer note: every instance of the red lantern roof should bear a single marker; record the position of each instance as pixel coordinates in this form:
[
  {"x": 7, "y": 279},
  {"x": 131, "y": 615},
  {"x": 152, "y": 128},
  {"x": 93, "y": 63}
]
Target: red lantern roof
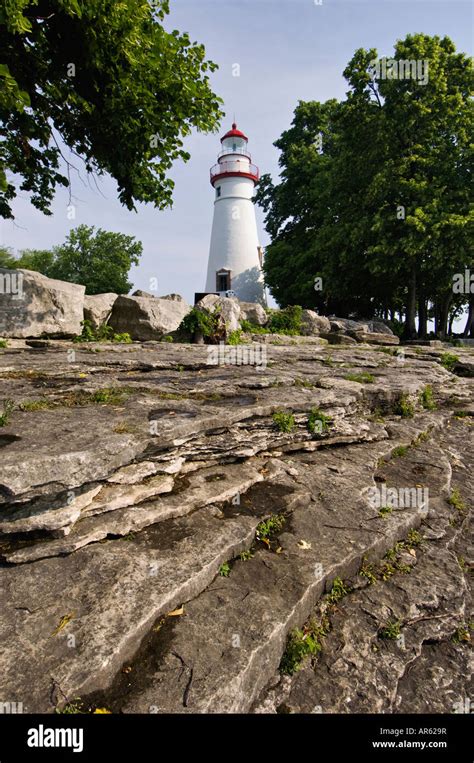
[{"x": 234, "y": 133}]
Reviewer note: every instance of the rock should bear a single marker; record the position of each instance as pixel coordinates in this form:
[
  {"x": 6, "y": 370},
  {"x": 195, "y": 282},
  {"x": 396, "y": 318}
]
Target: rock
[
  {"x": 32, "y": 305},
  {"x": 228, "y": 307},
  {"x": 147, "y": 319},
  {"x": 337, "y": 337},
  {"x": 314, "y": 324},
  {"x": 373, "y": 338},
  {"x": 141, "y": 293},
  {"x": 253, "y": 312},
  {"x": 378, "y": 327},
  {"x": 98, "y": 307}
]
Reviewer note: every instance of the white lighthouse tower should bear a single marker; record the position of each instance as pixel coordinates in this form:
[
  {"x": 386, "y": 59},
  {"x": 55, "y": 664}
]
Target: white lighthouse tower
[{"x": 235, "y": 254}]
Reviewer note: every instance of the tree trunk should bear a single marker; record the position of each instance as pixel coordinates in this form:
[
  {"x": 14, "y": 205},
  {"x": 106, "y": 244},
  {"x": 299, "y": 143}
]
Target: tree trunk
[
  {"x": 422, "y": 318},
  {"x": 443, "y": 317},
  {"x": 410, "y": 325},
  {"x": 469, "y": 327}
]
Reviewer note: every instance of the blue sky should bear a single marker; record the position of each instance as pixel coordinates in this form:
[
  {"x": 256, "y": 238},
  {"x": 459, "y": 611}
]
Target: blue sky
[{"x": 287, "y": 50}]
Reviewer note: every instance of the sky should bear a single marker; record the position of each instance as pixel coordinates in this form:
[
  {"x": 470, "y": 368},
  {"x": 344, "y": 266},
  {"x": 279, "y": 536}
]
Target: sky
[{"x": 287, "y": 51}]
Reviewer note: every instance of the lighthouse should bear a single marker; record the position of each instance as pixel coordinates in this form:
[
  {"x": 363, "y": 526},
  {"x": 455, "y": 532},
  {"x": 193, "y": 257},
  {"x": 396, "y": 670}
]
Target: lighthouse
[{"x": 235, "y": 256}]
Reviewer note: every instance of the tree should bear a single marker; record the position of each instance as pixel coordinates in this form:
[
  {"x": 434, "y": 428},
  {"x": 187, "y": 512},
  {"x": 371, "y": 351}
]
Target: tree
[
  {"x": 384, "y": 213},
  {"x": 106, "y": 79},
  {"x": 7, "y": 259},
  {"x": 100, "y": 261}
]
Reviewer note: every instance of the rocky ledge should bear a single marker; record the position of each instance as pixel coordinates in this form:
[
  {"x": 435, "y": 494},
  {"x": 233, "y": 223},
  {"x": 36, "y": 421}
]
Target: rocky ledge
[{"x": 179, "y": 535}]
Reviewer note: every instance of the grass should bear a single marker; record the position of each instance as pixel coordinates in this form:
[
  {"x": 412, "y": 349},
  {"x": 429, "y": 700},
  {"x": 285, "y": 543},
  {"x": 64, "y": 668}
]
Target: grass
[
  {"x": 448, "y": 360},
  {"x": 123, "y": 427},
  {"x": 104, "y": 396},
  {"x": 362, "y": 378},
  {"x": 400, "y": 451},
  {"x": 303, "y": 383},
  {"x": 318, "y": 422},
  {"x": 426, "y": 398},
  {"x": 285, "y": 422},
  {"x": 224, "y": 570},
  {"x": 302, "y": 643},
  {"x": 404, "y": 407},
  {"x": 391, "y": 630}
]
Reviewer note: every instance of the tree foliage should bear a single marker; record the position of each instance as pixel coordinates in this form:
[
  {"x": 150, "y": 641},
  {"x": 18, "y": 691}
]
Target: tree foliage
[
  {"x": 106, "y": 79},
  {"x": 100, "y": 260},
  {"x": 375, "y": 195}
]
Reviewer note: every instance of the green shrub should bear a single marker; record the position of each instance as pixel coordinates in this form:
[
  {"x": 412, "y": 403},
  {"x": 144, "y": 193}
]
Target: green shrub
[
  {"x": 199, "y": 321},
  {"x": 286, "y": 321},
  {"x": 234, "y": 337},
  {"x": 252, "y": 328},
  {"x": 3, "y": 343},
  {"x": 301, "y": 644}
]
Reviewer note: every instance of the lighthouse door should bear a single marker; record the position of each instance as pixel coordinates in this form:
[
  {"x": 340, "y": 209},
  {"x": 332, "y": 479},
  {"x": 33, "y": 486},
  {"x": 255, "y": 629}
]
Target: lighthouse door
[{"x": 223, "y": 280}]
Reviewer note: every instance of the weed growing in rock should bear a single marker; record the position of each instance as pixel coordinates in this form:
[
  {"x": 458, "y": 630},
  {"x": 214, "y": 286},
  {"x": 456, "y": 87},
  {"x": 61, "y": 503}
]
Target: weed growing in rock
[
  {"x": 75, "y": 707},
  {"x": 385, "y": 510},
  {"x": 123, "y": 427},
  {"x": 103, "y": 334},
  {"x": 269, "y": 528},
  {"x": 391, "y": 630},
  {"x": 456, "y": 501},
  {"x": 462, "y": 634},
  {"x": 426, "y": 398},
  {"x": 368, "y": 571},
  {"x": 3, "y": 343},
  {"x": 414, "y": 538},
  {"x": 224, "y": 570},
  {"x": 244, "y": 556},
  {"x": 404, "y": 407},
  {"x": 301, "y": 644},
  {"x": 448, "y": 360},
  {"x": 318, "y": 422},
  {"x": 8, "y": 406},
  {"x": 338, "y": 591},
  {"x": 284, "y": 421},
  {"x": 362, "y": 378}
]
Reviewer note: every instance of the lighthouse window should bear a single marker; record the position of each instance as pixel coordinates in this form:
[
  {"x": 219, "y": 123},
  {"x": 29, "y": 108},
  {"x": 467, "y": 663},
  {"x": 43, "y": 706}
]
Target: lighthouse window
[
  {"x": 218, "y": 192},
  {"x": 234, "y": 147}
]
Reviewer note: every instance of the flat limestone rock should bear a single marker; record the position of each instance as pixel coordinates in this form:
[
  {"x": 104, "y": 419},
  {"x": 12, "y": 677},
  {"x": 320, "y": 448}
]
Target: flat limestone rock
[{"x": 205, "y": 487}]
